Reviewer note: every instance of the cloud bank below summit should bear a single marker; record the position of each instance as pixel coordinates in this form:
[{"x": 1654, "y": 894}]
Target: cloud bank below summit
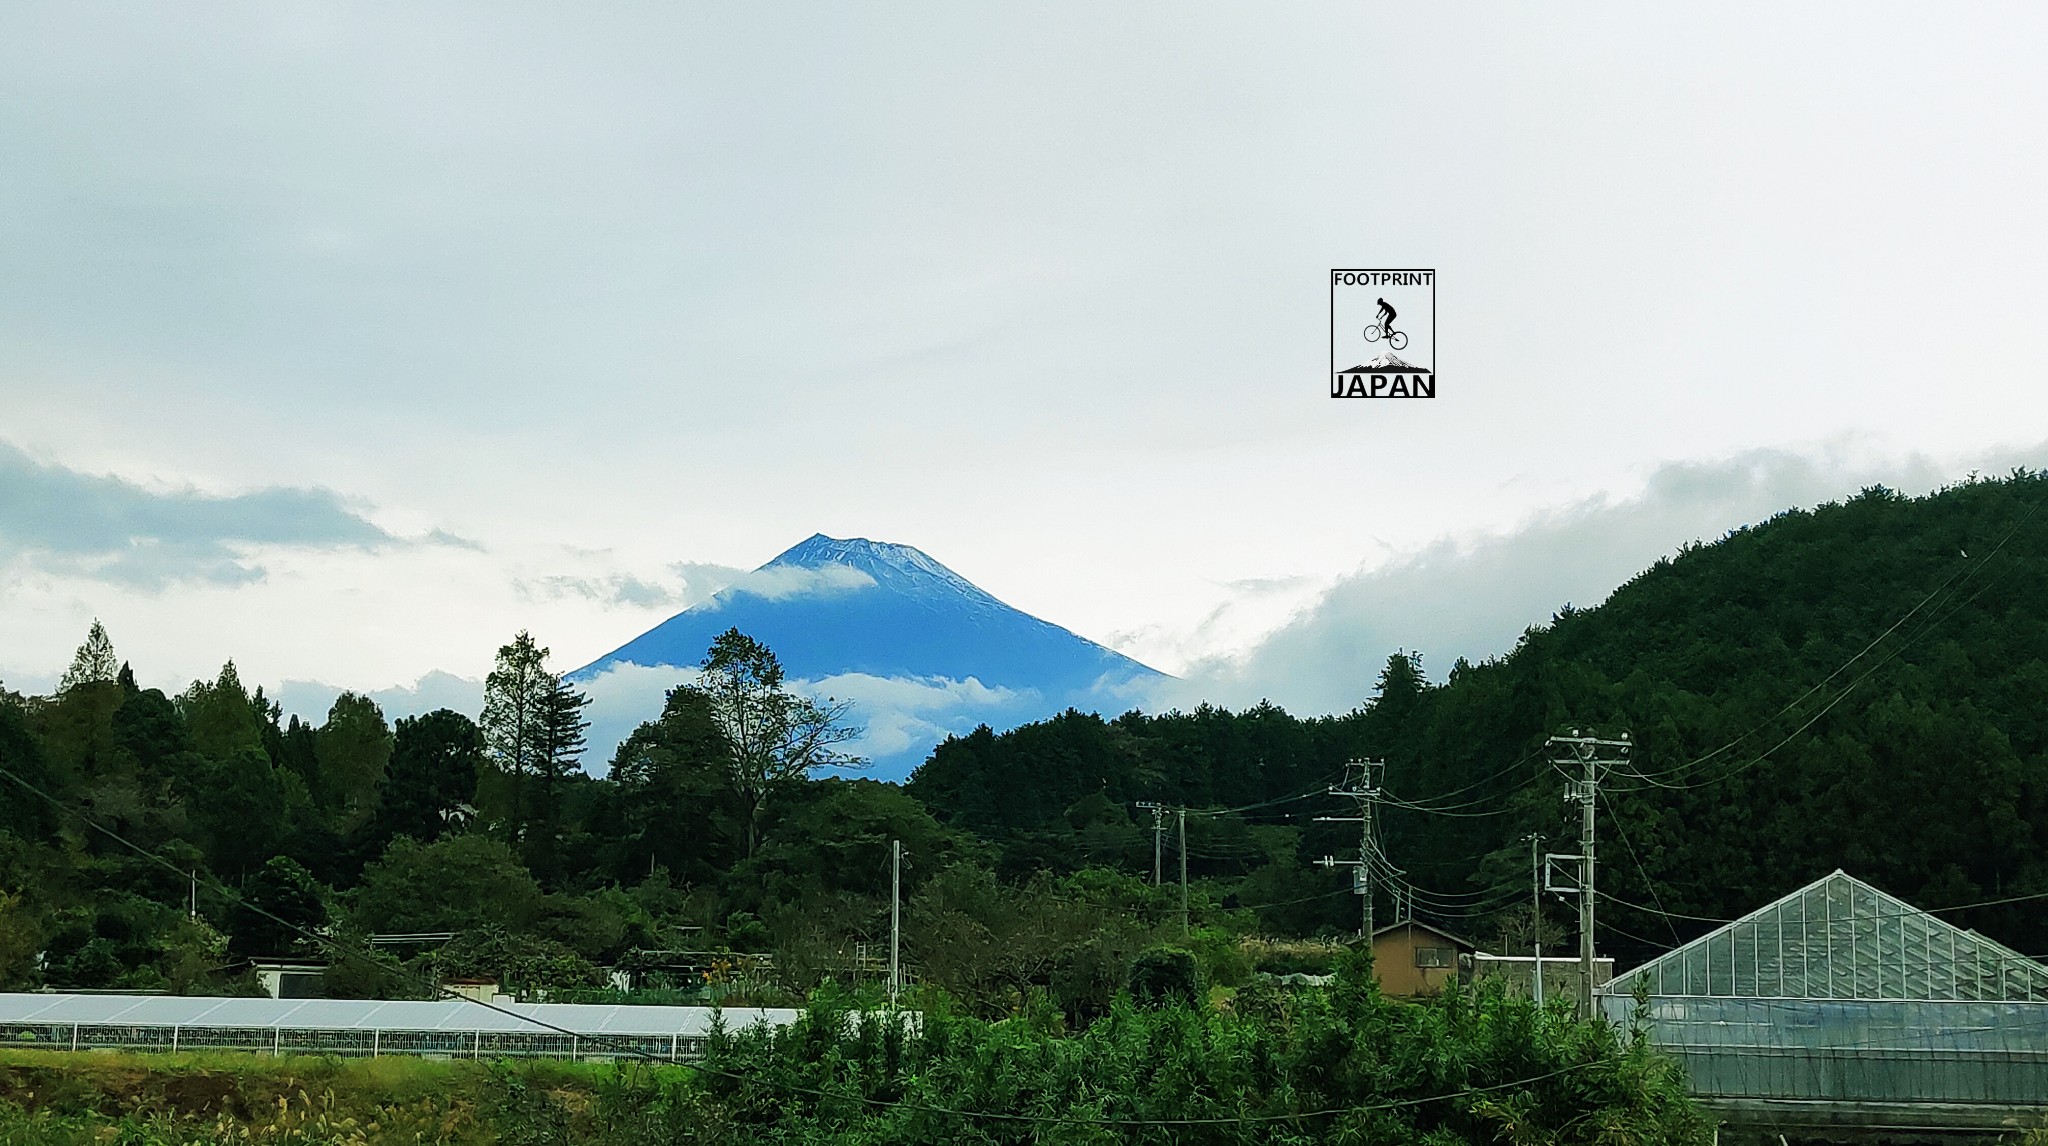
[{"x": 901, "y": 718}]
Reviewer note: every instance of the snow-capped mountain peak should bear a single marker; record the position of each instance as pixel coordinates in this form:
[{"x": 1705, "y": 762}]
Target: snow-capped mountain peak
[{"x": 901, "y": 567}]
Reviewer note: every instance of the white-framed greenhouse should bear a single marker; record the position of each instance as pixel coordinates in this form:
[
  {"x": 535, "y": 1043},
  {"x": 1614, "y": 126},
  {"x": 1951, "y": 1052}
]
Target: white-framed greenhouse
[
  {"x": 1841, "y": 993},
  {"x": 451, "y": 1028}
]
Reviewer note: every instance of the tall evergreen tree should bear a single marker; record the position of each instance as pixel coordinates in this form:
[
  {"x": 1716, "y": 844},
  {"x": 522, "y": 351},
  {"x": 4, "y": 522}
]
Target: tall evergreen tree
[
  {"x": 565, "y": 728},
  {"x": 222, "y": 715},
  {"x": 519, "y": 696},
  {"x": 353, "y": 749},
  {"x": 93, "y": 662}
]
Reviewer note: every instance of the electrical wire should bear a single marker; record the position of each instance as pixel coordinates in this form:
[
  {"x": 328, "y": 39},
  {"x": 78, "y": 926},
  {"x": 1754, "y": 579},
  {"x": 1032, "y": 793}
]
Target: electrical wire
[
  {"x": 1431, "y": 803},
  {"x": 1321, "y": 789},
  {"x": 1965, "y": 573},
  {"x": 1906, "y": 914},
  {"x": 1641, "y": 870},
  {"x": 1468, "y": 904}
]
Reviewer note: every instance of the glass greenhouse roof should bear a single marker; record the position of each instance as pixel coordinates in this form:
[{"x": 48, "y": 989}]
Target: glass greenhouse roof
[
  {"x": 374, "y": 1015},
  {"x": 1840, "y": 938}
]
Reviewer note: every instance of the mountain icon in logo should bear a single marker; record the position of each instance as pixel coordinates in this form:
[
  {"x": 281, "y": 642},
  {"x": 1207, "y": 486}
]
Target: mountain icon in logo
[
  {"x": 1386, "y": 362},
  {"x": 1384, "y": 377}
]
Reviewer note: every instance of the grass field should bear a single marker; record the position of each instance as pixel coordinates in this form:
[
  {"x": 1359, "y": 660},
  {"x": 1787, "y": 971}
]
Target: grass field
[{"x": 65, "y": 1097}]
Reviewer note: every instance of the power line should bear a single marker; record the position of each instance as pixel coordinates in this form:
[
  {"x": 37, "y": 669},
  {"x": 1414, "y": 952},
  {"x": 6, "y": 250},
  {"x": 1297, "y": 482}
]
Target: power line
[
  {"x": 1321, "y": 789},
  {"x": 1908, "y": 913},
  {"x": 1429, "y": 803},
  {"x": 1965, "y": 573},
  {"x": 1641, "y": 870}
]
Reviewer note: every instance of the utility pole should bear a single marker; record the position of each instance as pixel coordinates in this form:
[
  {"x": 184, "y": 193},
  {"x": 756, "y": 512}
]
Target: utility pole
[
  {"x": 193, "y": 910},
  {"x": 1592, "y": 753},
  {"x": 1361, "y": 783},
  {"x": 1158, "y": 811},
  {"x": 895, "y": 919},
  {"x": 1183, "y": 814},
  {"x": 1536, "y": 908}
]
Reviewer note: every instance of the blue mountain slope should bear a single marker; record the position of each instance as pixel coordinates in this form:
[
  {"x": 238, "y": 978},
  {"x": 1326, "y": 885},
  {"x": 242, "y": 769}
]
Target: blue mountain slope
[{"x": 830, "y": 606}]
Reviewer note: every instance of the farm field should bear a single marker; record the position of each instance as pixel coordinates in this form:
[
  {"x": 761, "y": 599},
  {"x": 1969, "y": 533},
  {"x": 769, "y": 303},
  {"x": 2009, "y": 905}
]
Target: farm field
[{"x": 63, "y": 1097}]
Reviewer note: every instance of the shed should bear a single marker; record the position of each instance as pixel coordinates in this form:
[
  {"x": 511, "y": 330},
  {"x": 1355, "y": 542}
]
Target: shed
[{"x": 1411, "y": 959}]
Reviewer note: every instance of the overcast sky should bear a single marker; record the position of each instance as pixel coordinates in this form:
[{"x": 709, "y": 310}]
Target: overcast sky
[{"x": 345, "y": 340}]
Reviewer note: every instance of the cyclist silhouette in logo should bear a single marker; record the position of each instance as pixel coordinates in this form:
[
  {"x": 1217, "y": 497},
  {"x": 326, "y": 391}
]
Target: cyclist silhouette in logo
[{"x": 1395, "y": 338}]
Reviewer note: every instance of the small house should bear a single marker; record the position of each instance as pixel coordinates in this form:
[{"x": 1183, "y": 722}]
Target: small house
[{"x": 1412, "y": 959}]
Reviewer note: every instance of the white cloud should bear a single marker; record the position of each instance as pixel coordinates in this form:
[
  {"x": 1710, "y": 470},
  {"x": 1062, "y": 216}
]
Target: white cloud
[
  {"x": 678, "y": 586},
  {"x": 622, "y": 698},
  {"x": 900, "y": 718},
  {"x": 781, "y": 582},
  {"x": 913, "y": 694},
  {"x": 1227, "y": 617},
  {"x": 309, "y": 700},
  {"x": 903, "y": 718}
]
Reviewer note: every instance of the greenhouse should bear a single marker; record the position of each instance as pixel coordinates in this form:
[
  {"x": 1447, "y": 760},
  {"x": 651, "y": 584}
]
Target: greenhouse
[
  {"x": 1841, "y": 995},
  {"x": 452, "y": 1028}
]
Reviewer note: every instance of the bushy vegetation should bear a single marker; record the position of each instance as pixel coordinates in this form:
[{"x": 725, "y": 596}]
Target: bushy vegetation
[{"x": 1308, "y": 1066}]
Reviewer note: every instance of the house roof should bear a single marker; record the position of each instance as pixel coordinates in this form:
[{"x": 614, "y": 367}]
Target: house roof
[
  {"x": 1431, "y": 928},
  {"x": 1840, "y": 938}
]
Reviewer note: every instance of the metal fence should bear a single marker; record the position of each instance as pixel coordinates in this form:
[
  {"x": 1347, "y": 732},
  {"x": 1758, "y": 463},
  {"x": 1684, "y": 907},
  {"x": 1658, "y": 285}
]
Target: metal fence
[
  {"x": 363, "y": 1027},
  {"x": 350, "y": 1043}
]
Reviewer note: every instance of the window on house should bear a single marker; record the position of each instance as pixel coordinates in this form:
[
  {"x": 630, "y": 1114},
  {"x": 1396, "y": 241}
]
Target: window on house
[{"x": 1435, "y": 957}]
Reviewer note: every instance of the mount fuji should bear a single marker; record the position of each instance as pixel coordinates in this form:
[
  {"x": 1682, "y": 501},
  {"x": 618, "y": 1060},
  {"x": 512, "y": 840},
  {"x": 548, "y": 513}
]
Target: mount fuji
[{"x": 920, "y": 651}]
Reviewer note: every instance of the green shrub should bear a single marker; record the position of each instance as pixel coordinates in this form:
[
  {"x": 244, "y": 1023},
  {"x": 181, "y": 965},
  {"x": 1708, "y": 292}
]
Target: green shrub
[{"x": 1162, "y": 975}]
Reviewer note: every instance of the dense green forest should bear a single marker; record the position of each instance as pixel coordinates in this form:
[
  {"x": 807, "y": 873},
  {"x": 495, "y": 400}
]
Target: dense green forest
[{"x": 1864, "y": 685}]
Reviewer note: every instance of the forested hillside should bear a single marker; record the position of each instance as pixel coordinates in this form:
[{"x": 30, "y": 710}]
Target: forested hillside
[{"x": 1861, "y": 686}]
